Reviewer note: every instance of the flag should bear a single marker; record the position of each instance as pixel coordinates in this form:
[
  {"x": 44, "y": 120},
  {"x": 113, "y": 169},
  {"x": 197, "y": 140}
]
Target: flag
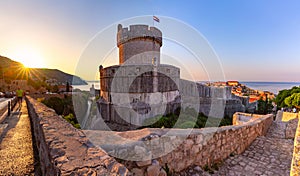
[{"x": 156, "y": 19}]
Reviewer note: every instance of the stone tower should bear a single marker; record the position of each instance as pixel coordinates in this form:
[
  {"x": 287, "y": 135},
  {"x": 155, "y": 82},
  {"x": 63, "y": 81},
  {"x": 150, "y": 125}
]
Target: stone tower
[
  {"x": 139, "y": 45},
  {"x": 139, "y": 87}
]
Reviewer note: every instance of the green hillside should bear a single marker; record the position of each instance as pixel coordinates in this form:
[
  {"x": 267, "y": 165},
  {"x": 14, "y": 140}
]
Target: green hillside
[{"x": 12, "y": 70}]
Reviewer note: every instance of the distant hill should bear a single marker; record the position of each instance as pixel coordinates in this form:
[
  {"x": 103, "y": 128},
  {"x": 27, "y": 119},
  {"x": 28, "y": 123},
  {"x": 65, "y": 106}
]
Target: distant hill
[{"x": 12, "y": 70}]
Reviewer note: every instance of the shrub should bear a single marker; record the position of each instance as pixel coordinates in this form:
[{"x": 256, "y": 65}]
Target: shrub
[
  {"x": 72, "y": 120},
  {"x": 55, "y": 103},
  {"x": 187, "y": 124}
]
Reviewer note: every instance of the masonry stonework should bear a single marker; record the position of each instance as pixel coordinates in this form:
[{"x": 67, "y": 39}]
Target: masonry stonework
[
  {"x": 295, "y": 167},
  {"x": 65, "y": 150},
  {"x": 200, "y": 147},
  {"x": 138, "y": 40}
]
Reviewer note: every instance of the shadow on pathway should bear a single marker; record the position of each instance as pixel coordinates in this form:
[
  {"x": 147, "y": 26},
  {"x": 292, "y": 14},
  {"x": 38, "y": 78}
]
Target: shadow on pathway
[{"x": 16, "y": 145}]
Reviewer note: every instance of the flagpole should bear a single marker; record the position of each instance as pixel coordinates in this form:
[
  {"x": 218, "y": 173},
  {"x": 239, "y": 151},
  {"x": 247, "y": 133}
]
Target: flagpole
[{"x": 153, "y": 20}]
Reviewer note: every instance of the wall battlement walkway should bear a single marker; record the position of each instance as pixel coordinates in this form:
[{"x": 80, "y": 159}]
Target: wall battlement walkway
[
  {"x": 16, "y": 146},
  {"x": 248, "y": 148},
  {"x": 268, "y": 155}
]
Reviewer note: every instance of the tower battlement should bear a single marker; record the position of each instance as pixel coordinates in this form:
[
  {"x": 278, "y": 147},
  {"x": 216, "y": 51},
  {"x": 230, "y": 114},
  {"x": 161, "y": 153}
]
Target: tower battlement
[
  {"x": 138, "y": 32},
  {"x": 140, "y": 44}
]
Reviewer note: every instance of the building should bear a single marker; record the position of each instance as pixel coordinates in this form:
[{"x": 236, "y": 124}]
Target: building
[
  {"x": 233, "y": 83},
  {"x": 63, "y": 88},
  {"x": 94, "y": 92}
]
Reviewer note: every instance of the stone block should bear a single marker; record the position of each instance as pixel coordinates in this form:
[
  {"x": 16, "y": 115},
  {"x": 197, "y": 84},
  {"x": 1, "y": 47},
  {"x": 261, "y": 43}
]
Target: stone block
[
  {"x": 143, "y": 163},
  {"x": 188, "y": 144},
  {"x": 198, "y": 139},
  {"x": 137, "y": 172},
  {"x": 195, "y": 149},
  {"x": 153, "y": 170}
]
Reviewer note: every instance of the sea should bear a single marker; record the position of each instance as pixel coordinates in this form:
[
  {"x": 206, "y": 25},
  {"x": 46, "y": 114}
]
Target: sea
[{"x": 274, "y": 87}]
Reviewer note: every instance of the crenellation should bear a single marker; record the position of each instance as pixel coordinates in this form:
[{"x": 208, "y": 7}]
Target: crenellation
[{"x": 139, "y": 32}]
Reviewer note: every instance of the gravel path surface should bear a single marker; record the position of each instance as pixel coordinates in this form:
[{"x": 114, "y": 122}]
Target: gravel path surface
[{"x": 16, "y": 151}]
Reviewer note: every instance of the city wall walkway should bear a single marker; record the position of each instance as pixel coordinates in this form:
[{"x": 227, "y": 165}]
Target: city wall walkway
[
  {"x": 267, "y": 155},
  {"x": 16, "y": 145}
]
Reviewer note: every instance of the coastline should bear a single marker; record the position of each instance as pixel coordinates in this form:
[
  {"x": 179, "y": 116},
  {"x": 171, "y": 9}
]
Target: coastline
[{"x": 273, "y": 87}]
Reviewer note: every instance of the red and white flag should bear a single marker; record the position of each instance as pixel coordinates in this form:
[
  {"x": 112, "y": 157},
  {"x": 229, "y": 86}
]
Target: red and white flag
[{"x": 155, "y": 18}]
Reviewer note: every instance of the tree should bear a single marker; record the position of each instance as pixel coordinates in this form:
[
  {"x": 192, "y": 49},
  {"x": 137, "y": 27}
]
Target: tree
[
  {"x": 293, "y": 100},
  {"x": 283, "y": 94},
  {"x": 55, "y": 103},
  {"x": 264, "y": 107}
]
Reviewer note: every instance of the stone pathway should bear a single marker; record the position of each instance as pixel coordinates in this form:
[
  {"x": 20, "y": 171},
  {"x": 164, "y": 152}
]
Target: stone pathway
[
  {"x": 269, "y": 155},
  {"x": 16, "y": 150},
  {"x": 277, "y": 130}
]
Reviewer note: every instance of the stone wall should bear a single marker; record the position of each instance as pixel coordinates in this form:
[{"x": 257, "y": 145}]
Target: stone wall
[
  {"x": 65, "y": 150},
  {"x": 151, "y": 150},
  {"x": 291, "y": 128},
  {"x": 295, "y": 167},
  {"x": 139, "y": 78},
  {"x": 240, "y": 118},
  {"x": 285, "y": 116}
]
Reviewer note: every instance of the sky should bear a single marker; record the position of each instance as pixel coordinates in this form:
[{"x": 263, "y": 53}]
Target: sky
[{"x": 255, "y": 40}]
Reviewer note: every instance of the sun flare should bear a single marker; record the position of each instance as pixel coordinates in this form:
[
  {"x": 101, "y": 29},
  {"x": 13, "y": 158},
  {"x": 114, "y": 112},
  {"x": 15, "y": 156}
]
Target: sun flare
[{"x": 30, "y": 58}]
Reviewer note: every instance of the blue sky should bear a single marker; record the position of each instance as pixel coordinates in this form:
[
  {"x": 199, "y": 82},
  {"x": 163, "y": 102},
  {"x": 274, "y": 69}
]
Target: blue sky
[{"x": 255, "y": 40}]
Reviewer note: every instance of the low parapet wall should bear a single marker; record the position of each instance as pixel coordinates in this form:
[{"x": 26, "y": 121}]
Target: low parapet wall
[
  {"x": 4, "y": 110},
  {"x": 286, "y": 116},
  {"x": 65, "y": 150},
  {"x": 201, "y": 147},
  {"x": 295, "y": 167},
  {"x": 240, "y": 118}
]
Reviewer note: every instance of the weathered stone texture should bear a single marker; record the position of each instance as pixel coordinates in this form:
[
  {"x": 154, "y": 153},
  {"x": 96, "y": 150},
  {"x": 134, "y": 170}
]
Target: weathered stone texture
[
  {"x": 240, "y": 118},
  {"x": 180, "y": 148},
  {"x": 139, "y": 78},
  {"x": 291, "y": 128},
  {"x": 295, "y": 168},
  {"x": 268, "y": 155},
  {"x": 286, "y": 116},
  {"x": 138, "y": 40},
  {"x": 65, "y": 150}
]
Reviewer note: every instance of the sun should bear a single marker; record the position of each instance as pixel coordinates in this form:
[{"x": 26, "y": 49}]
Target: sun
[{"x": 30, "y": 58}]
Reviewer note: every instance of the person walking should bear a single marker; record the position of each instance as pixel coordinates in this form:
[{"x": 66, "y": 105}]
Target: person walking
[{"x": 20, "y": 94}]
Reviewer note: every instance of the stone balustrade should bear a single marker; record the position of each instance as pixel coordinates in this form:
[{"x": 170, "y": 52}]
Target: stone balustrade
[{"x": 65, "y": 150}]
